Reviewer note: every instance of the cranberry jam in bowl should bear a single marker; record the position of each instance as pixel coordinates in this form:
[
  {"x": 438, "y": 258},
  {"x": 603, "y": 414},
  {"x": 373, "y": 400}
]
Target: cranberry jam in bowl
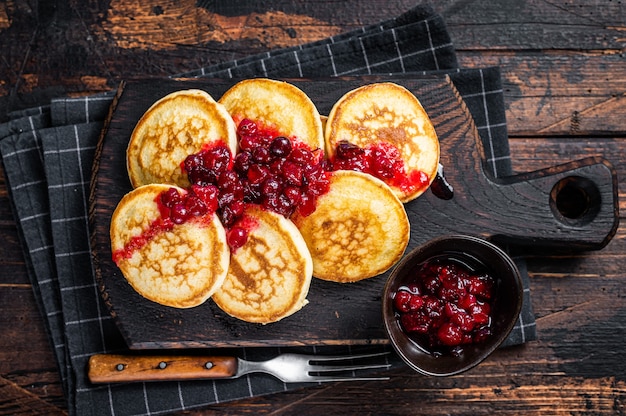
[{"x": 450, "y": 303}]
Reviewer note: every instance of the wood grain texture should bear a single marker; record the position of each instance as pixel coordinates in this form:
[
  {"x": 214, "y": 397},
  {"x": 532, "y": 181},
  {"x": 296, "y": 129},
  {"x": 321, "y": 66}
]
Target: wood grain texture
[
  {"x": 563, "y": 73},
  {"x": 18, "y": 401},
  {"x": 29, "y": 377},
  {"x": 174, "y": 24},
  {"x": 535, "y": 25}
]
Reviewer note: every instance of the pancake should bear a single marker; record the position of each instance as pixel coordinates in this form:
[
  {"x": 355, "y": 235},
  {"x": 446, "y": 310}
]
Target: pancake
[
  {"x": 277, "y": 105},
  {"x": 175, "y": 126},
  {"x": 178, "y": 266},
  {"x": 358, "y": 230},
  {"x": 387, "y": 113},
  {"x": 269, "y": 276}
]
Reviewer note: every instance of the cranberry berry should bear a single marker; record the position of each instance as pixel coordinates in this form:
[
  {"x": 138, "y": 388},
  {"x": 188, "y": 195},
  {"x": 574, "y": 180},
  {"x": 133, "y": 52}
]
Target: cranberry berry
[{"x": 280, "y": 147}]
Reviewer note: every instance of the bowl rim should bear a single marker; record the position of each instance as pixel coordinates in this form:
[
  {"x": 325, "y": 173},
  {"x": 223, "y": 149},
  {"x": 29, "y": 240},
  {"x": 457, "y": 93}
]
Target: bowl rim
[{"x": 415, "y": 253}]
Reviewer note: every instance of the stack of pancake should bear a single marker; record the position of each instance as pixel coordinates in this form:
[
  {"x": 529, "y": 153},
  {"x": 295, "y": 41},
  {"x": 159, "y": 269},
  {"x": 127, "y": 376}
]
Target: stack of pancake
[{"x": 359, "y": 228}]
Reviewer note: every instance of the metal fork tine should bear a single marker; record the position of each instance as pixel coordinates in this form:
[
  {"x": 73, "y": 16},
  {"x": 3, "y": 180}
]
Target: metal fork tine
[
  {"x": 293, "y": 368},
  {"x": 325, "y": 379},
  {"x": 329, "y": 368},
  {"x": 319, "y": 372},
  {"x": 346, "y": 357}
]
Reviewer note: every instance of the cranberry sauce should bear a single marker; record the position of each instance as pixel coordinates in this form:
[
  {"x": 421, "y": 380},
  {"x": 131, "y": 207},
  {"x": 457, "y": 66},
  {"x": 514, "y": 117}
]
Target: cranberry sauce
[
  {"x": 381, "y": 160},
  {"x": 174, "y": 208},
  {"x": 446, "y": 304},
  {"x": 280, "y": 174}
]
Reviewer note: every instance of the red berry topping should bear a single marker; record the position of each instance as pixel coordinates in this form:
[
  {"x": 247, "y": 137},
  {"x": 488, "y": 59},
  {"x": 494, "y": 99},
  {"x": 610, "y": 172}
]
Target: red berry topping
[
  {"x": 445, "y": 305},
  {"x": 301, "y": 155},
  {"x": 415, "y": 322},
  {"x": 237, "y": 237},
  {"x": 280, "y": 147},
  {"x": 208, "y": 194},
  {"x": 307, "y": 205},
  {"x": 292, "y": 173},
  {"x": 416, "y": 302},
  {"x": 401, "y": 301},
  {"x": 450, "y": 334},
  {"x": 467, "y": 301},
  {"x": 274, "y": 171},
  {"x": 382, "y": 160},
  {"x": 480, "y": 286},
  {"x": 171, "y": 197},
  {"x": 293, "y": 194},
  {"x": 246, "y": 127}
]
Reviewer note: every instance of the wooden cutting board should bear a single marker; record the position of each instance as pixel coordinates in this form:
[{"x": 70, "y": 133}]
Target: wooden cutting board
[{"x": 573, "y": 206}]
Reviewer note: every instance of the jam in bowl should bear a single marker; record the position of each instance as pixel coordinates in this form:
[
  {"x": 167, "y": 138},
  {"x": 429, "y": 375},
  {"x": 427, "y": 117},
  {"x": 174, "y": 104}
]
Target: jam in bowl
[{"x": 450, "y": 303}]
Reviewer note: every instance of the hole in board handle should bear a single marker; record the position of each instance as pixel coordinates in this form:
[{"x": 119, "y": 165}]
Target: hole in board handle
[{"x": 575, "y": 200}]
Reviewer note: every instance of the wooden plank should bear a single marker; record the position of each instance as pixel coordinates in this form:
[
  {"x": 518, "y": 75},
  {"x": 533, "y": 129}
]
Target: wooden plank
[
  {"x": 28, "y": 368},
  {"x": 17, "y": 302},
  {"x": 482, "y": 394},
  {"x": 574, "y": 367},
  {"x": 559, "y": 94},
  {"x": 11, "y": 255},
  {"x": 15, "y": 400},
  {"x": 534, "y": 25}
]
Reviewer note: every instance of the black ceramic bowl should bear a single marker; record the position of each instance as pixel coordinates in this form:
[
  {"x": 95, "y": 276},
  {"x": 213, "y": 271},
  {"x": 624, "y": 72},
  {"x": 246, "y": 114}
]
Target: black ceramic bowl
[{"x": 505, "y": 309}]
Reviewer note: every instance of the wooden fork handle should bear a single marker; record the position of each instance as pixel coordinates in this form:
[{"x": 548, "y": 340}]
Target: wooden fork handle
[{"x": 112, "y": 368}]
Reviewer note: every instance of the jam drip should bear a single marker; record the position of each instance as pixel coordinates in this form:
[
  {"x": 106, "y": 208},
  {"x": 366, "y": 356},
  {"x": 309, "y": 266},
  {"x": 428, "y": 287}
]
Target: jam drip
[{"x": 440, "y": 186}]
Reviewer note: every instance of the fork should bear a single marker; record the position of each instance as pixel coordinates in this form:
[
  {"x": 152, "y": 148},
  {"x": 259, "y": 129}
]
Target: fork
[{"x": 290, "y": 368}]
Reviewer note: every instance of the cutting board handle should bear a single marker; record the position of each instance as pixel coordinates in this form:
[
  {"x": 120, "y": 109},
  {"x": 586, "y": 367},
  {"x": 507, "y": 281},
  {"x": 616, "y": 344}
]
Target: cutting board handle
[{"x": 573, "y": 205}]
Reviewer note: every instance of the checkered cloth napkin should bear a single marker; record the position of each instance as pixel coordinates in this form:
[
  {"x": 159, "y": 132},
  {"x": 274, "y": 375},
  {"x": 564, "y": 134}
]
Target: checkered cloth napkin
[{"x": 48, "y": 153}]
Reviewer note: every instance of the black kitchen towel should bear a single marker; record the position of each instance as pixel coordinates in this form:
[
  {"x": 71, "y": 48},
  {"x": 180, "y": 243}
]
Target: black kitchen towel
[{"x": 48, "y": 152}]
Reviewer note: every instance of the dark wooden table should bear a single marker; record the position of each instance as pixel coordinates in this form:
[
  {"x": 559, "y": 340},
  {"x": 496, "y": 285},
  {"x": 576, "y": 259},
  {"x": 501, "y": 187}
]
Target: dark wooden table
[{"x": 564, "y": 74}]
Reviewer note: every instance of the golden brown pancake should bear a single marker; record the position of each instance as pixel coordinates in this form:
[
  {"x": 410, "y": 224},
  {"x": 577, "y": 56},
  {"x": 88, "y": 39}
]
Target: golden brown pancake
[
  {"x": 386, "y": 112},
  {"x": 276, "y": 104},
  {"x": 175, "y": 126},
  {"x": 358, "y": 230},
  {"x": 269, "y": 276},
  {"x": 180, "y": 267}
]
